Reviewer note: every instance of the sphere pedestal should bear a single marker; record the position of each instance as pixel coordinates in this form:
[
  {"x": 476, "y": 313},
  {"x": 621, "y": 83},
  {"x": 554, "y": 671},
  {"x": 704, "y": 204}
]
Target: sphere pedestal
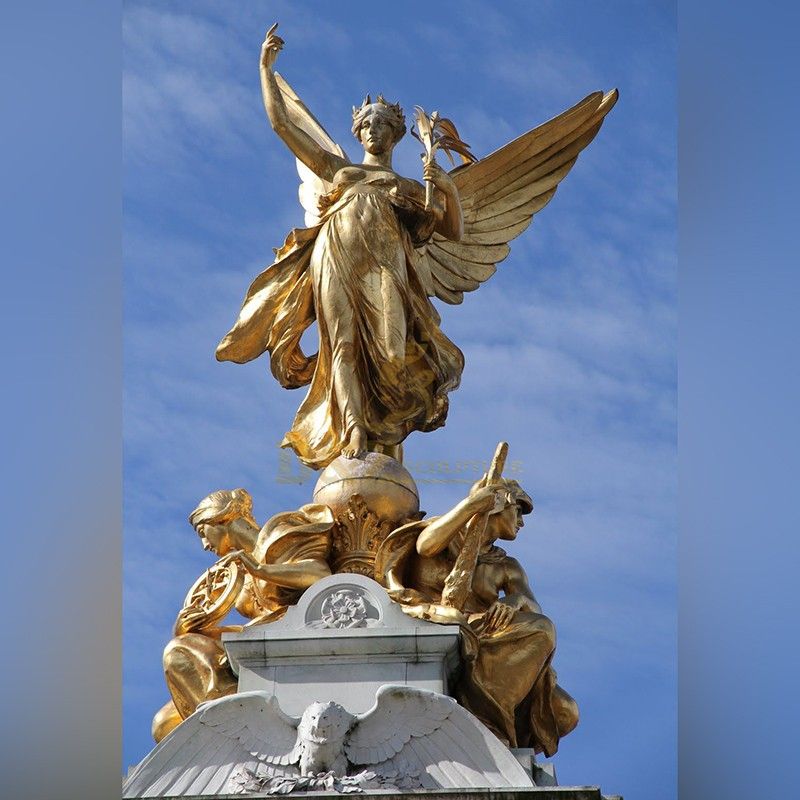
[{"x": 385, "y": 485}]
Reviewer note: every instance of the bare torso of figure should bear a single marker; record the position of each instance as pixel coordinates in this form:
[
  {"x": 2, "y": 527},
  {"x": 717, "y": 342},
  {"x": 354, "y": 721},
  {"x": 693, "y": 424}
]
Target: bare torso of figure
[{"x": 428, "y": 575}]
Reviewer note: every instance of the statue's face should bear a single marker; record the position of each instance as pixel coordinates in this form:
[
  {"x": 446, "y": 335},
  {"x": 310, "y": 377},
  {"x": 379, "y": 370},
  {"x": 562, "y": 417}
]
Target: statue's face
[
  {"x": 216, "y": 538},
  {"x": 376, "y": 132},
  {"x": 506, "y": 523}
]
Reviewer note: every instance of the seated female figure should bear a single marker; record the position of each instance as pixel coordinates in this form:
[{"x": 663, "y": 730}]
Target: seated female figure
[
  {"x": 507, "y": 681},
  {"x": 281, "y": 560}
]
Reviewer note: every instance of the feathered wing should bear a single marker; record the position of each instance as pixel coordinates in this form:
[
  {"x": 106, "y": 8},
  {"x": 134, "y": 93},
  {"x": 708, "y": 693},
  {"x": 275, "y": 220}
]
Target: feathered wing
[
  {"x": 255, "y": 720},
  {"x": 201, "y": 756},
  {"x": 420, "y": 738},
  {"x": 311, "y": 186},
  {"x": 501, "y": 193}
]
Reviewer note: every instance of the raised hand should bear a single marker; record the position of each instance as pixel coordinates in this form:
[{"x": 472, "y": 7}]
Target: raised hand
[
  {"x": 438, "y": 177},
  {"x": 492, "y": 499},
  {"x": 273, "y": 44}
]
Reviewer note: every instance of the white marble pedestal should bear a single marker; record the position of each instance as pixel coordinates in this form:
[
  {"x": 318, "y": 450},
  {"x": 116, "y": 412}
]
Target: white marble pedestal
[{"x": 342, "y": 642}]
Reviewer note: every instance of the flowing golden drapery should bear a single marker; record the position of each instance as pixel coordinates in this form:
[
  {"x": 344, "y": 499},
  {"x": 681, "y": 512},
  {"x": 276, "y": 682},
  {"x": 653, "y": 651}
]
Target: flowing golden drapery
[
  {"x": 511, "y": 686},
  {"x": 383, "y": 361},
  {"x": 507, "y": 681},
  {"x": 196, "y": 666}
]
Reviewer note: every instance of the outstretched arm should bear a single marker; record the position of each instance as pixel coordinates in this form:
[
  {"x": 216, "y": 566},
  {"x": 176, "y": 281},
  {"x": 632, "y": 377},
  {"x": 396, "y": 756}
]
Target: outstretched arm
[
  {"x": 292, "y": 575},
  {"x": 316, "y": 158},
  {"x": 440, "y": 532}
]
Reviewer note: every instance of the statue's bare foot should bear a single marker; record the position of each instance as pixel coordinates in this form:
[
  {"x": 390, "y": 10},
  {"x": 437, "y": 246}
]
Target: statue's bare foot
[{"x": 356, "y": 446}]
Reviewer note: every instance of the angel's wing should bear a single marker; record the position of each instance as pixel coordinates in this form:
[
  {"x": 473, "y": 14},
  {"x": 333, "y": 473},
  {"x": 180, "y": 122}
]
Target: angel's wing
[
  {"x": 311, "y": 186},
  {"x": 501, "y": 193},
  {"x": 422, "y": 737},
  {"x": 202, "y": 755}
]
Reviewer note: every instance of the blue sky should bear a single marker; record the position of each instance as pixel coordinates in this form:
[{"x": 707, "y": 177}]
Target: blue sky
[{"x": 570, "y": 348}]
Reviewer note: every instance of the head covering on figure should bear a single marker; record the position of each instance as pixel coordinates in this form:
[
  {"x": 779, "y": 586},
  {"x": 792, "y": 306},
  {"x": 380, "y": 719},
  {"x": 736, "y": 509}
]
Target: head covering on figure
[{"x": 391, "y": 112}]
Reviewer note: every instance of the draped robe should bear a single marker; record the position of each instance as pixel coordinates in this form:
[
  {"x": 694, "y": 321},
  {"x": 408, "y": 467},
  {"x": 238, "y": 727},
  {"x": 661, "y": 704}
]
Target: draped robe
[
  {"x": 507, "y": 681},
  {"x": 196, "y": 667},
  {"x": 383, "y": 361}
]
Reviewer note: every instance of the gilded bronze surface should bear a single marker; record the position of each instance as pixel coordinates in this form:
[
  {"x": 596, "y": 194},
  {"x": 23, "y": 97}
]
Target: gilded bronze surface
[
  {"x": 260, "y": 573},
  {"x": 376, "y": 247},
  {"x": 458, "y": 584},
  {"x": 508, "y": 643},
  {"x": 445, "y": 569},
  {"x": 357, "y": 535},
  {"x": 384, "y": 484}
]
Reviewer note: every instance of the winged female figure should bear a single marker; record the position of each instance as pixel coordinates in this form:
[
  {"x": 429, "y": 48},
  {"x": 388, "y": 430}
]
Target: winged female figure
[{"x": 371, "y": 257}]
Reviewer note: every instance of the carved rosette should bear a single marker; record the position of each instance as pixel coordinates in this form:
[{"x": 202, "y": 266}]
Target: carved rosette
[
  {"x": 357, "y": 535},
  {"x": 344, "y": 609}
]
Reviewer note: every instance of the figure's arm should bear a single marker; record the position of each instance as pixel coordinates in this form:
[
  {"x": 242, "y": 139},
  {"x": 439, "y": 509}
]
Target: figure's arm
[
  {"x": 293, "y": 575},
  {"x": 518, "y": 592},
  {"x": 450, "y": 220},
  {"x": 518, "y": 596},
  {"x": 316, "y": 158},
  {"x": 440, "y": 532}
]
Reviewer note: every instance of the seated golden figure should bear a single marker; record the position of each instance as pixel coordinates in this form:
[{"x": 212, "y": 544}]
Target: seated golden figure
[
  {"x": 508, "y": 644},
  {"x": 260, "y": 573}
]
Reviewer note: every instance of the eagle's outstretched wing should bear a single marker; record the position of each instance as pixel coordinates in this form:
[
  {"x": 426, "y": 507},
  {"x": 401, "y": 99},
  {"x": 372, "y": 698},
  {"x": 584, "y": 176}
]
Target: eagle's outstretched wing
[
  {"x": 501, "y": 193},
  {"x": 208, "y": 749},
  {"x": 311, "y": 186},
  {"x": 424, "y": 739},
  {"x": 256, "y": 721}
]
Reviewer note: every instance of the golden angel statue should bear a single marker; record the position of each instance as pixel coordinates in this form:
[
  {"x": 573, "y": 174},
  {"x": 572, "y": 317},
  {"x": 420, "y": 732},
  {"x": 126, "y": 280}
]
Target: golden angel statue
[{"x": 371, "y": 257}]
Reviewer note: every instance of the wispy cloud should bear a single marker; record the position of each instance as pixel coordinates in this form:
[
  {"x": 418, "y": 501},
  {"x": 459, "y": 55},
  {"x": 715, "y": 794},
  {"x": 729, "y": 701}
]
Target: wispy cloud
[{"x": 179, "y": 88}]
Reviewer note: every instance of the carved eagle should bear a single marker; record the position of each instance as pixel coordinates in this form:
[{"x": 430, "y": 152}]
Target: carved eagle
[{"x": 410, "y": 738}]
